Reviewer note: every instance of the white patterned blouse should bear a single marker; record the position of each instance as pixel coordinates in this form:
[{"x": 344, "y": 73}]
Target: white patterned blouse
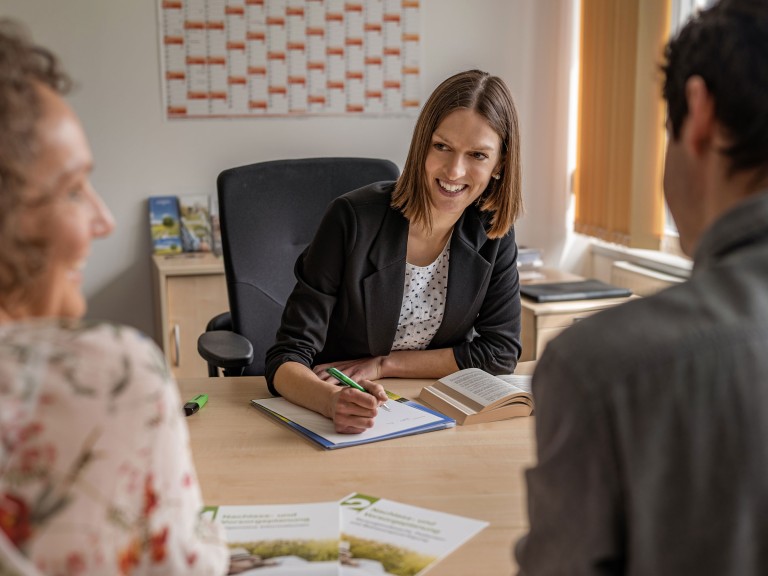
[
  {"x": 96, "y": 475},
  {"x": 423, "y": 306}
]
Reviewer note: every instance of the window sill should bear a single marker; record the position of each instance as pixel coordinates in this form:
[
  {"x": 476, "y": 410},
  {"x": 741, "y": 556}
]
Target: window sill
[{"x": 674, "y": 265}]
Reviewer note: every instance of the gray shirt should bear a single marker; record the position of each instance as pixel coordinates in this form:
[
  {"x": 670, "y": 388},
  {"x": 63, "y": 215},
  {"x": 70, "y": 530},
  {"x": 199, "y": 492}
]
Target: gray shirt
[{"x": 652, "y": 425}]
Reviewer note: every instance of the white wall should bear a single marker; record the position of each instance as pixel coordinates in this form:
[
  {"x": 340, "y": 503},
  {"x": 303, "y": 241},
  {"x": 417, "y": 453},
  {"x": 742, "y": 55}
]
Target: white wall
[{"x": 110, "y": 47}]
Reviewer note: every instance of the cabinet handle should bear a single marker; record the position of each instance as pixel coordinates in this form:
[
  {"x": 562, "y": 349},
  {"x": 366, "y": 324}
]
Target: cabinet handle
[{"x": 177, "y": 345}]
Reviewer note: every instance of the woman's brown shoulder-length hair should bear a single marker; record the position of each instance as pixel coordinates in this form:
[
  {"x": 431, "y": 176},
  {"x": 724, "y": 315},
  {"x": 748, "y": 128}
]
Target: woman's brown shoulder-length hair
[{"x": 489, "y": 97}]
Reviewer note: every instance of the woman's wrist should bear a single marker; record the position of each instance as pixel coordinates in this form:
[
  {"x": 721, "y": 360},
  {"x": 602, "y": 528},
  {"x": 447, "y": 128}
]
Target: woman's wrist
[
  {"x": 387, "y": 368},
  {"x": 418, "y": 364},
  {"x": 298, "y": 384}
]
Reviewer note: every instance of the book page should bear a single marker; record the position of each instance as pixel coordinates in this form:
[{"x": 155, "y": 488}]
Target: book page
[
  {"x": 520, "y": 381},
  {"x": 401, "y": 417},
  {"x": 281, "y": 538},
  {"x": 380, "y": 536},
  {"x": 480, "y": 386},
  {"x": 454, "y": 402}
]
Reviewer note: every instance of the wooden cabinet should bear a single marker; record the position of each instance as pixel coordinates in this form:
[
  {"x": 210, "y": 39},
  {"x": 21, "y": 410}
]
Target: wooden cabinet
[
  {"x": 543, "y": 321},
  {"x": 189, "y": 291}
]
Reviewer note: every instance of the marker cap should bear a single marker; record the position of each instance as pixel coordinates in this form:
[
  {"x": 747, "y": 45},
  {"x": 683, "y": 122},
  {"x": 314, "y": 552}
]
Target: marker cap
[{"x": 195, "y": 404}]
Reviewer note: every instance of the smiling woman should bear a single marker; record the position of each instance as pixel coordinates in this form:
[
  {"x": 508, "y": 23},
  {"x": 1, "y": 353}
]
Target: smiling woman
[
  {"x": 465, "y": 153},
  {"x": 490, "y": 99},
  {"x": 415, "y": 278},
  {"x": 96, "y": 475},
  {"x": 50, "y": 213},
  {"x": 60, "y": 212}
]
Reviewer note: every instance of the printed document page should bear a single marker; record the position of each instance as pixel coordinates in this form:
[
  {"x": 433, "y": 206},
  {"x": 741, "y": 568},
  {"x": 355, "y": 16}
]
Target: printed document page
[
  {"x": 281, "y": 539},
  {"x": 399, "y": 418},
  {"x": 383, "y": 537}
]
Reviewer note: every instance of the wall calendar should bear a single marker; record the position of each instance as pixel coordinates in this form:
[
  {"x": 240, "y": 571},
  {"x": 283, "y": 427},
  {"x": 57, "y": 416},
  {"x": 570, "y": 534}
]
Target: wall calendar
[{"x": 250, "y": 58}]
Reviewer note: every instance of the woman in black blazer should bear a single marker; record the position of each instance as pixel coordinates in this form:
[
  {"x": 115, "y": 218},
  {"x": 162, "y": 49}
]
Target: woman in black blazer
[{"x": 415, "y": 278}]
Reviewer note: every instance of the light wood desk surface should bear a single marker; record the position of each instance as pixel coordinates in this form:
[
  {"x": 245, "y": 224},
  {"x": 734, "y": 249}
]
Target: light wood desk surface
[{"x": 244, "y": 457}]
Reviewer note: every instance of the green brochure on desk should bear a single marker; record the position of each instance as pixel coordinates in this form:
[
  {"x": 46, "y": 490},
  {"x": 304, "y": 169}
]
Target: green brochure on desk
[
  {"x": 281, "y": 539},
  {"x": 388, "y": 538},
  {"x": 359, "y": 536}
]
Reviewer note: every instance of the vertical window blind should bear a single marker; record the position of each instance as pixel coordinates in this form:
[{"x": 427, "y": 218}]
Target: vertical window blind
[{"x": 620, "y": 133}]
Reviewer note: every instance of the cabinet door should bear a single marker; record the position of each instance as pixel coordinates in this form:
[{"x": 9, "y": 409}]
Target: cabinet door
[
  {"x": 192, "y": 302},
  {"x": 539, "y": 329}
]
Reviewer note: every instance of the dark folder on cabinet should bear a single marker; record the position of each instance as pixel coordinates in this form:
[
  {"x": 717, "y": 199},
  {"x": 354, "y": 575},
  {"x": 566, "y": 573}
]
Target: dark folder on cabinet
[{"x": 579, "y": 290}]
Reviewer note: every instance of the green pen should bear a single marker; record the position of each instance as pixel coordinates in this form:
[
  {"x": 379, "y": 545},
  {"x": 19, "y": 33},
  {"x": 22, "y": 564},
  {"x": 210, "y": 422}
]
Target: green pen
[
  {"x": 195, "y": 404},
  {"x": 347, "y": 381}
]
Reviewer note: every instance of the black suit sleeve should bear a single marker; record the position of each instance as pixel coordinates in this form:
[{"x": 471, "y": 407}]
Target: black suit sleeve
[{"x": 496, "y": 346}]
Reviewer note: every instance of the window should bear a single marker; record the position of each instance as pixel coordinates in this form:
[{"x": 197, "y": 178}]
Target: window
[
  {"x": 620, "y": 139},
  {"x": 620, "y": 136}
]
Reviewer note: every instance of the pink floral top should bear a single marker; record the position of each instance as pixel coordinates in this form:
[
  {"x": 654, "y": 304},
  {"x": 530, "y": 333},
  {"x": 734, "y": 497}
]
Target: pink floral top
[{"x": 96, "y": 475}]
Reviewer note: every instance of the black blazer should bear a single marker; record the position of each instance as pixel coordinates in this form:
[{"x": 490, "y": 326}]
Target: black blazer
[{"x": 350, "y": 282}]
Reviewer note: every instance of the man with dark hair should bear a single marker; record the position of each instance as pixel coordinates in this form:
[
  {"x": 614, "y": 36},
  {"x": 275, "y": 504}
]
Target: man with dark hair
[{"x": 652, "y": 418}]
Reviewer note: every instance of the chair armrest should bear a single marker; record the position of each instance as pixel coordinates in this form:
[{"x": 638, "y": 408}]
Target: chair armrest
[
  {"x": 221, "y": 321},
  {"x": 227, "y": 350}
]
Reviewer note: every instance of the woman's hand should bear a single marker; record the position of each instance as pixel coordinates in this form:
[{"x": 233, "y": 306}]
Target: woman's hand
[
  {"x": 354, "y": 411},
  {"x": 360, "y": 369},
  {"x": 351, "y": 410}
]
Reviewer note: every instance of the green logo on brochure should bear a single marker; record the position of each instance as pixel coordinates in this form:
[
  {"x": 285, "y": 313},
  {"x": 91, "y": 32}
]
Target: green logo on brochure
[{"x": 359, "y": 501}]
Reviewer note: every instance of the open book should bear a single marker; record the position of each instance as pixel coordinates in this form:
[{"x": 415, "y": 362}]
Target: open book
[{"x": 472, "y": 396}]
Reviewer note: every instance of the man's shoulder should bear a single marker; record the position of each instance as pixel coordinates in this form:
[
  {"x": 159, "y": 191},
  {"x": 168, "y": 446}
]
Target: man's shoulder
[
  {"x": 631, "y": 333},
  {"x": 705, "y": 312}
]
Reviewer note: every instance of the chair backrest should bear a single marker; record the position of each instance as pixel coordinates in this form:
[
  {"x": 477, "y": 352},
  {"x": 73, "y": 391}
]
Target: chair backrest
[{"x": 269, "y": 213}]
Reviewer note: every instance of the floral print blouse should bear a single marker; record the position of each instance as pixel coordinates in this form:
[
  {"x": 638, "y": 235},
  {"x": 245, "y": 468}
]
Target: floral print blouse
[{"x": 96, "y": 475}]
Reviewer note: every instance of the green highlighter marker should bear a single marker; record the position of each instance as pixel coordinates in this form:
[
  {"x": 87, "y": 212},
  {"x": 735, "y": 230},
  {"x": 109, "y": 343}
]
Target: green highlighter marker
[
  {"x": 195, "y": 404},
  {"x": 347, "y": 381}
]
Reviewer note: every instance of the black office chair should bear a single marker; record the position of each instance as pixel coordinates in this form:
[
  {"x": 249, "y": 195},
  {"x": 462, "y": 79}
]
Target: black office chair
[{"x": 269, "y": 213}]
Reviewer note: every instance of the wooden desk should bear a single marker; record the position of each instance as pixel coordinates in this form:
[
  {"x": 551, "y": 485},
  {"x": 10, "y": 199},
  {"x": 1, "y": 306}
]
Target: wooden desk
[{"x": 244, "y": 457}]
